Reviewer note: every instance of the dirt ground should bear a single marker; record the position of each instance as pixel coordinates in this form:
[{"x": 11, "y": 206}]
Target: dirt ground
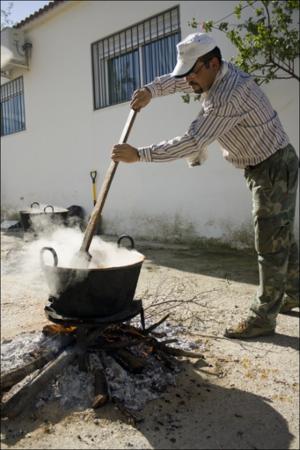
[{"x": 246, "y": 398}]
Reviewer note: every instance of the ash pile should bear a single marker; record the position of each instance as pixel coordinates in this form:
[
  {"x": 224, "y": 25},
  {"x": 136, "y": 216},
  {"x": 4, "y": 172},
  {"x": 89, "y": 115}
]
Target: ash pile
[{"x": 87, "y": 368}]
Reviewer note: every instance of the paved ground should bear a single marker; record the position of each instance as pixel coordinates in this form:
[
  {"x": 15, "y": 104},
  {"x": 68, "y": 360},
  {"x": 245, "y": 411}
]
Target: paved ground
[{"x": 247, "y": 398}]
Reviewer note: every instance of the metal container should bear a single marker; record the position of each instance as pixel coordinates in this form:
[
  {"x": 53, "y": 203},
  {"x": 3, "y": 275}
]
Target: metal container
[
  {"x": 91, "y": 293},
  {"x": 37, "y": 218}
]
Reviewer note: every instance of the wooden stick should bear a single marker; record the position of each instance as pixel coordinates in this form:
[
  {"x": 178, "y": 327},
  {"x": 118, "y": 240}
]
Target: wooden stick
[
  {"x": 91, "y": 226},
  {"x": 179, "y": 352}
]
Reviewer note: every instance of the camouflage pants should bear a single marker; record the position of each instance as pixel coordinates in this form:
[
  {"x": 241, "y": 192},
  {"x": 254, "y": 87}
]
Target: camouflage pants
[{"x": 273, "y": 184}]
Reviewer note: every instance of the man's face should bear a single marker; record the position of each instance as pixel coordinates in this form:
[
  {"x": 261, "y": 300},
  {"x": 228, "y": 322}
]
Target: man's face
[{"x": 202, "y": 77}]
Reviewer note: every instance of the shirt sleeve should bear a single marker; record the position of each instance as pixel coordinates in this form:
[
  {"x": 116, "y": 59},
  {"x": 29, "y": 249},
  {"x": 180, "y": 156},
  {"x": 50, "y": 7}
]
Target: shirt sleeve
[
  {"x": 210, "y": 124},
  {"x": 166, "y": 85}
]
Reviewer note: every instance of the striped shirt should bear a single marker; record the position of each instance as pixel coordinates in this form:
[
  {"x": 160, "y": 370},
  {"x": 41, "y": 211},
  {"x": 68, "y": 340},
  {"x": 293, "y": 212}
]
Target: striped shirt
[{"x": 235, "y": 112}]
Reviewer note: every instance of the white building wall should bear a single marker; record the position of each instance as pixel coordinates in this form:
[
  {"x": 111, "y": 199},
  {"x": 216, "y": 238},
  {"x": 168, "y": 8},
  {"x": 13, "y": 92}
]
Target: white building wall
[{"x": 65, "y": 138}]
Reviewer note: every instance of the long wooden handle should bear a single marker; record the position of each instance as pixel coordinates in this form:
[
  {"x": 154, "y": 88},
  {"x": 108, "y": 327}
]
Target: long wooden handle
[{"x": 91, "y": 226}]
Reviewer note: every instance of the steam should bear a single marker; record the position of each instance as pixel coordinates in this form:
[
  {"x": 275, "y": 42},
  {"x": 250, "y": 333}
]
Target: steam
[
  {"x": 23, "y": 265},
  {"x": 67, "y": 241}
]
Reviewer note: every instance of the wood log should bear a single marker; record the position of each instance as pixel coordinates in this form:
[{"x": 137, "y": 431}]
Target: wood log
[
  {"x": 14, "y": 376},
  {"x": 128, "y": 361},
  {"x": 101, "y": 389},
  {"x": 26, "y": 395}
]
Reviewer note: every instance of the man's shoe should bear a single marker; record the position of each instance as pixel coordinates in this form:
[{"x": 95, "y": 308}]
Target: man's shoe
[
  {"x": 288, "y": 305},
  {"x": 247, "y": 329}
]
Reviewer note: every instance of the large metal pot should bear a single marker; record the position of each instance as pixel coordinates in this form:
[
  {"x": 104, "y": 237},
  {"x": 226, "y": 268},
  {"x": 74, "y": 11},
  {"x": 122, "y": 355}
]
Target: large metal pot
[
  {"x": 38, "y": 218},
  {"x": 91, "y": 293}
]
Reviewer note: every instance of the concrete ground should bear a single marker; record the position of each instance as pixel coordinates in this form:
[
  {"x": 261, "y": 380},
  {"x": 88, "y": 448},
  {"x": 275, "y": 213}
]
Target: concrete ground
[{"x": 246, "y": 398}]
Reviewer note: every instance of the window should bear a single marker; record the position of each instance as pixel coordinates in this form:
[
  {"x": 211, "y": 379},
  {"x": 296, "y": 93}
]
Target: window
[
  {"x": 133, "y": 57},
  {"x": 12, "y": 107}
]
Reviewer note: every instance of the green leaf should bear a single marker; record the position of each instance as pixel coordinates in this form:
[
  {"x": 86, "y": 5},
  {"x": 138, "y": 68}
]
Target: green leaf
[
  {"x": 237, "y": 11},
  {"x": 186, "y": 98},
  {"x": 193, "y": 23},
  {"x": 207, "y": 25},
  {"x": 223, "y": 26}
]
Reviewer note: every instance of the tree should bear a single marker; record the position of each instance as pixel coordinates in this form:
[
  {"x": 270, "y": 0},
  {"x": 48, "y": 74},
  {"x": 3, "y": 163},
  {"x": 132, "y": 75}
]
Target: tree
[
  {"x": 267, "y": 38},
  {"x": 5, "y": 16}
]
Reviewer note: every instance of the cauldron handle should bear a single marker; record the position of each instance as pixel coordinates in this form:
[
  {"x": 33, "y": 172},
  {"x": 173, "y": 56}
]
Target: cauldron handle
[
  {"x": 35, "y": 203},
  {"x": 50, "y": 249},
  {"x": 48, "y": 206},
  {"x": 126, "y": 236}
]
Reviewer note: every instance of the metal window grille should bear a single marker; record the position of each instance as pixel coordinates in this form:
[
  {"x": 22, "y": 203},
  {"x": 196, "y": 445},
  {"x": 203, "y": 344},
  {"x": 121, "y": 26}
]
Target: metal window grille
[
  {"x": 133, "y": 57},
  {"x": 12, "y": 107}
]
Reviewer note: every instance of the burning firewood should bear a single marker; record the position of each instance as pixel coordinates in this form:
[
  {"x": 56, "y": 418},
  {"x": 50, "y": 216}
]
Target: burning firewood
[
  {"x": 53, "y": 329},
  {"x": 131, "y": 349}
]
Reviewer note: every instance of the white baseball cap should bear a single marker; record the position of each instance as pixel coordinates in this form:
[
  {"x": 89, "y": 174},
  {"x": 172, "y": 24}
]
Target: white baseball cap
[{"x": 189, "y": 50}]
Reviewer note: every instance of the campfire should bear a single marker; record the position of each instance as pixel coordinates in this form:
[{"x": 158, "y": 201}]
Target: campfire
[{"x": 123, "y": 362}]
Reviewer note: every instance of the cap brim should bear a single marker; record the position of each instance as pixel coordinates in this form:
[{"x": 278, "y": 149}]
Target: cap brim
[{"x": 182, "y": 69}]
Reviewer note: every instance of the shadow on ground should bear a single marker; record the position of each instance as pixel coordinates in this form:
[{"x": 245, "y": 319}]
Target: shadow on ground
[
  {"x": 233, "y": 265},
  {"x": 195, "y": 414}
]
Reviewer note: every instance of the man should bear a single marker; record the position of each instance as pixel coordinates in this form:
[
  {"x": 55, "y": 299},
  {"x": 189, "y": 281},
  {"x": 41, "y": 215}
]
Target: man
[{"x": 237, "y": 114}]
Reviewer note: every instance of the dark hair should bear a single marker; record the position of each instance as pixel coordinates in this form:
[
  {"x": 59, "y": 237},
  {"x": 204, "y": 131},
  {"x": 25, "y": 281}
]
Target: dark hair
[{"x": 214, "y": 53}]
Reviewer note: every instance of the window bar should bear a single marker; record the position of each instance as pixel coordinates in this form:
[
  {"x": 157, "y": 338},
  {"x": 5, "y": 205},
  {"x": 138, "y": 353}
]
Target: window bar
[
  {"x": 102, "y": 76},
  {"x": 9, "y": 108},
  {"x": 114, "y": 71},
  {"x": 19, "y": 110},
  {"x": 13, "y": 105},
  {"x": 16, "y": 109},
  {"x": 120, "y": 43},
  {"x": 133, "y": 63},
  {"x": 99, "y": 81},
  {"x": 144, "y": 55},
  {"x": 18, "y": 104},
  {"x": 106, "y": 75},
  {"x": 23, "y": 106},
  {"x": 95, "y": 74},
  {"x": 142, "y": 81},
  {"x": 157, "y": 53}
]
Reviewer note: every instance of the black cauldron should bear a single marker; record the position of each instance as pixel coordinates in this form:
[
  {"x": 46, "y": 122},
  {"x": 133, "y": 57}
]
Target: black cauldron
[
  {"x": 91, "y": 293},
  {"x": 37, "y": 218}
]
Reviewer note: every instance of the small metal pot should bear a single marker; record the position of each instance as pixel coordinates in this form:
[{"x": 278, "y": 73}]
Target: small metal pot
[
  {"x": 36, "y": 218},
  {"x": 91, "y": 293}
]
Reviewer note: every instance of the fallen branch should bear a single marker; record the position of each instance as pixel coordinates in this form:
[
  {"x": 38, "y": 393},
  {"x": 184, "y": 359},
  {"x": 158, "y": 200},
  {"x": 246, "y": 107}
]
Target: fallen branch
[{"x": 155, "y": 325}]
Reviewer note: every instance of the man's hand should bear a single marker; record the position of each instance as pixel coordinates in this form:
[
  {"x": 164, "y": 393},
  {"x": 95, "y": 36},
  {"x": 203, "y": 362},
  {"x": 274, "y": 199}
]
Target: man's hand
[
  {"x": 124, "y": 153},
  {"x": 140, "y": 99}
]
